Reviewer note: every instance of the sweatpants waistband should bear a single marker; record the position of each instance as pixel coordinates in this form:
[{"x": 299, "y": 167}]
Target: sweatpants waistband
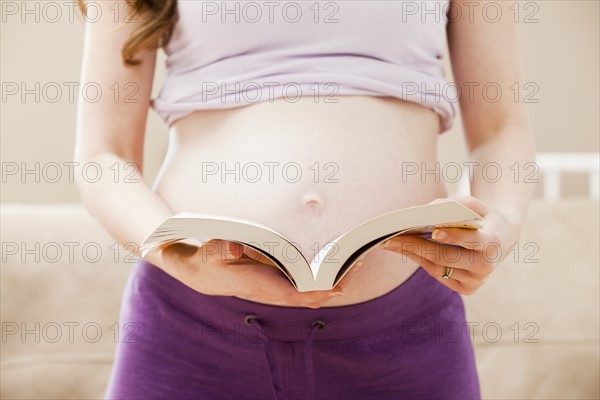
[{"x": 417, "y": 297}]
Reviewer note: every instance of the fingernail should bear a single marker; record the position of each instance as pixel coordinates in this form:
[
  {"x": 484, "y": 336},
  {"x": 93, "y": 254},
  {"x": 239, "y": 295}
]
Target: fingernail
[
  {"x": 439, "y": 234},
  {"x": 387, "y": 244},
  {"x": 334, "y": 294},
  {"x": 358, "y": 264}
]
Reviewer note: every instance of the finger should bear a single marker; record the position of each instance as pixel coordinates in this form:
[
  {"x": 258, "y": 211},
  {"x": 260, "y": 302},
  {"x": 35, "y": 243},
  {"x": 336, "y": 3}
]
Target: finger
[
  {"x": 472, "y": 239},
  {"x": 460, "y": 281},
  {"x": 223, "y": 251},
  {"x": 441, "y": 254},
  {"x": 218, "y": 251},
  {"x": 257, "y": 255},
  {"x": 232, "y": 251},
  {"x": 351, "y": 274},
  {"x": 438, "y": 271},
  {"x": 271, "y": 285},
  {"x": 484, "y": 247},
  {"x": 274, "y": 287},
  {"x": 315, "y": 298}
]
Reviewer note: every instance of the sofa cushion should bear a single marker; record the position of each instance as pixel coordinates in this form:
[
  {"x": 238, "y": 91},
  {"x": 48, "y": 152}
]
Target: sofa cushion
[
  {"x": 62, "y": 279},
  {"x": 535, "y": 321}
]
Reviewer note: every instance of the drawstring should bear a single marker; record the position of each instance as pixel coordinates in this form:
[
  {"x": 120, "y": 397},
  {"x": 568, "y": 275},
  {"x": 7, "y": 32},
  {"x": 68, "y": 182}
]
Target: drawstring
[
  {"x": 274, "y": 372},
  {"x": 308, "y": 359}
]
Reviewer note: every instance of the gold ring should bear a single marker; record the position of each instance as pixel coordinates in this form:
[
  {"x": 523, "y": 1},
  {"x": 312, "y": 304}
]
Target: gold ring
[{"x": 449, "y": 271}]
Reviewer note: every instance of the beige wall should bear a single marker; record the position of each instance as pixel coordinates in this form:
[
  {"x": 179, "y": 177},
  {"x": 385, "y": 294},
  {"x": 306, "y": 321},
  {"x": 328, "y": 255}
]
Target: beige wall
[{"x": 560, "y": 54}]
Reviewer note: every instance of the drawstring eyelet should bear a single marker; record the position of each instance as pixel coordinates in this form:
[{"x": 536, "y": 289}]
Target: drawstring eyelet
[
  {"x": 319, "y": 323},
  {"x": 249, "y": 318}
]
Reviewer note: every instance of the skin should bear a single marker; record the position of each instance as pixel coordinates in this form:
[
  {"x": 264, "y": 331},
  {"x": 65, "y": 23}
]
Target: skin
[
  {"x": 308, "y": 213},
  {"x": 495, "y": 132}
]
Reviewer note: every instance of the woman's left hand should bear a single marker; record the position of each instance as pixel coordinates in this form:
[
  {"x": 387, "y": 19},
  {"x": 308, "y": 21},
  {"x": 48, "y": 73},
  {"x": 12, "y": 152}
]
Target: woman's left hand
[{"x": 480, "y": 251}]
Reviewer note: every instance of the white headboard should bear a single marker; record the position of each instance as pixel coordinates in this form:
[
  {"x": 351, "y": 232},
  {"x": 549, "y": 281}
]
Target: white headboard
[{"x": 551, "y": 165}]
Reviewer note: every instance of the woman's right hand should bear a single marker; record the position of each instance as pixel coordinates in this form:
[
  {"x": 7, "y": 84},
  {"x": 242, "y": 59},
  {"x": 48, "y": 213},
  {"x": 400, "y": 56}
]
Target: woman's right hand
[{"x": 227, "y": 268}]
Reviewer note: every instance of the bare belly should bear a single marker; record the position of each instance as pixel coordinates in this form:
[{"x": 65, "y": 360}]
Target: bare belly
[{"x": 310, "y": 170}]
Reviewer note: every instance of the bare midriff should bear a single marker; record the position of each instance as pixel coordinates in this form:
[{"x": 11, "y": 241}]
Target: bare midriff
[{"x": 310, "y": 170}]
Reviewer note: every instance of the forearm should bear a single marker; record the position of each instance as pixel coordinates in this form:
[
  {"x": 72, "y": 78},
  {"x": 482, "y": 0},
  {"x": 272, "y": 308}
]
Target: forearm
[
  {"x": 121, "y": 201},
  {"x": 503, "y": 166}
]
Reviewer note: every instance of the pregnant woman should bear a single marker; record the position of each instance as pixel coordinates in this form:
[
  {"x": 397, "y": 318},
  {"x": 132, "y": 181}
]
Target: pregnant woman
[{"x": 310, "y": 118}]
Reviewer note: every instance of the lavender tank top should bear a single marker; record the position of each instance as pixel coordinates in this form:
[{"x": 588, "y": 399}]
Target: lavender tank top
[{"x": 225, "y": 54}]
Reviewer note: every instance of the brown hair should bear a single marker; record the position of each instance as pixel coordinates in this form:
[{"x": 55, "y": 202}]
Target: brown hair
[{"x": 154, "y": 31}]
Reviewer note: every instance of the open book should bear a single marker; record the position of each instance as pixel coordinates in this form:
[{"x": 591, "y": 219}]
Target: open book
[{"x": 333, "y": 260}]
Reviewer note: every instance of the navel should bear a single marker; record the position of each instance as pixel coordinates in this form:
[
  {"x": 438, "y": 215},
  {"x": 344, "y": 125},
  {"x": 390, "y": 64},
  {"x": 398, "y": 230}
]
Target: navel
[{"x": 312, "y": 203}]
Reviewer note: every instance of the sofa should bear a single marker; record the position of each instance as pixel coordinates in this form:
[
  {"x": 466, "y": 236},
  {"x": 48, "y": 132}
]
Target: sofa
[{"x": 535, "y": 323}]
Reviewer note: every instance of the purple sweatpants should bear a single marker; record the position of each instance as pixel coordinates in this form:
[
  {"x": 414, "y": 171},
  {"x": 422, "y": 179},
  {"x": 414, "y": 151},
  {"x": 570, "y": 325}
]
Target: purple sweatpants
[{"x": 410, "y": 343}]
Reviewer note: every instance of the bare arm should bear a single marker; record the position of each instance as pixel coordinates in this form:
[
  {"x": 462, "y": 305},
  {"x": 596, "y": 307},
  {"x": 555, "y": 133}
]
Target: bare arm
[
  {"x": 110, "y": 132},
  {"x": 499, "y": 142},
  {"x": 497, "y": 131}
]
